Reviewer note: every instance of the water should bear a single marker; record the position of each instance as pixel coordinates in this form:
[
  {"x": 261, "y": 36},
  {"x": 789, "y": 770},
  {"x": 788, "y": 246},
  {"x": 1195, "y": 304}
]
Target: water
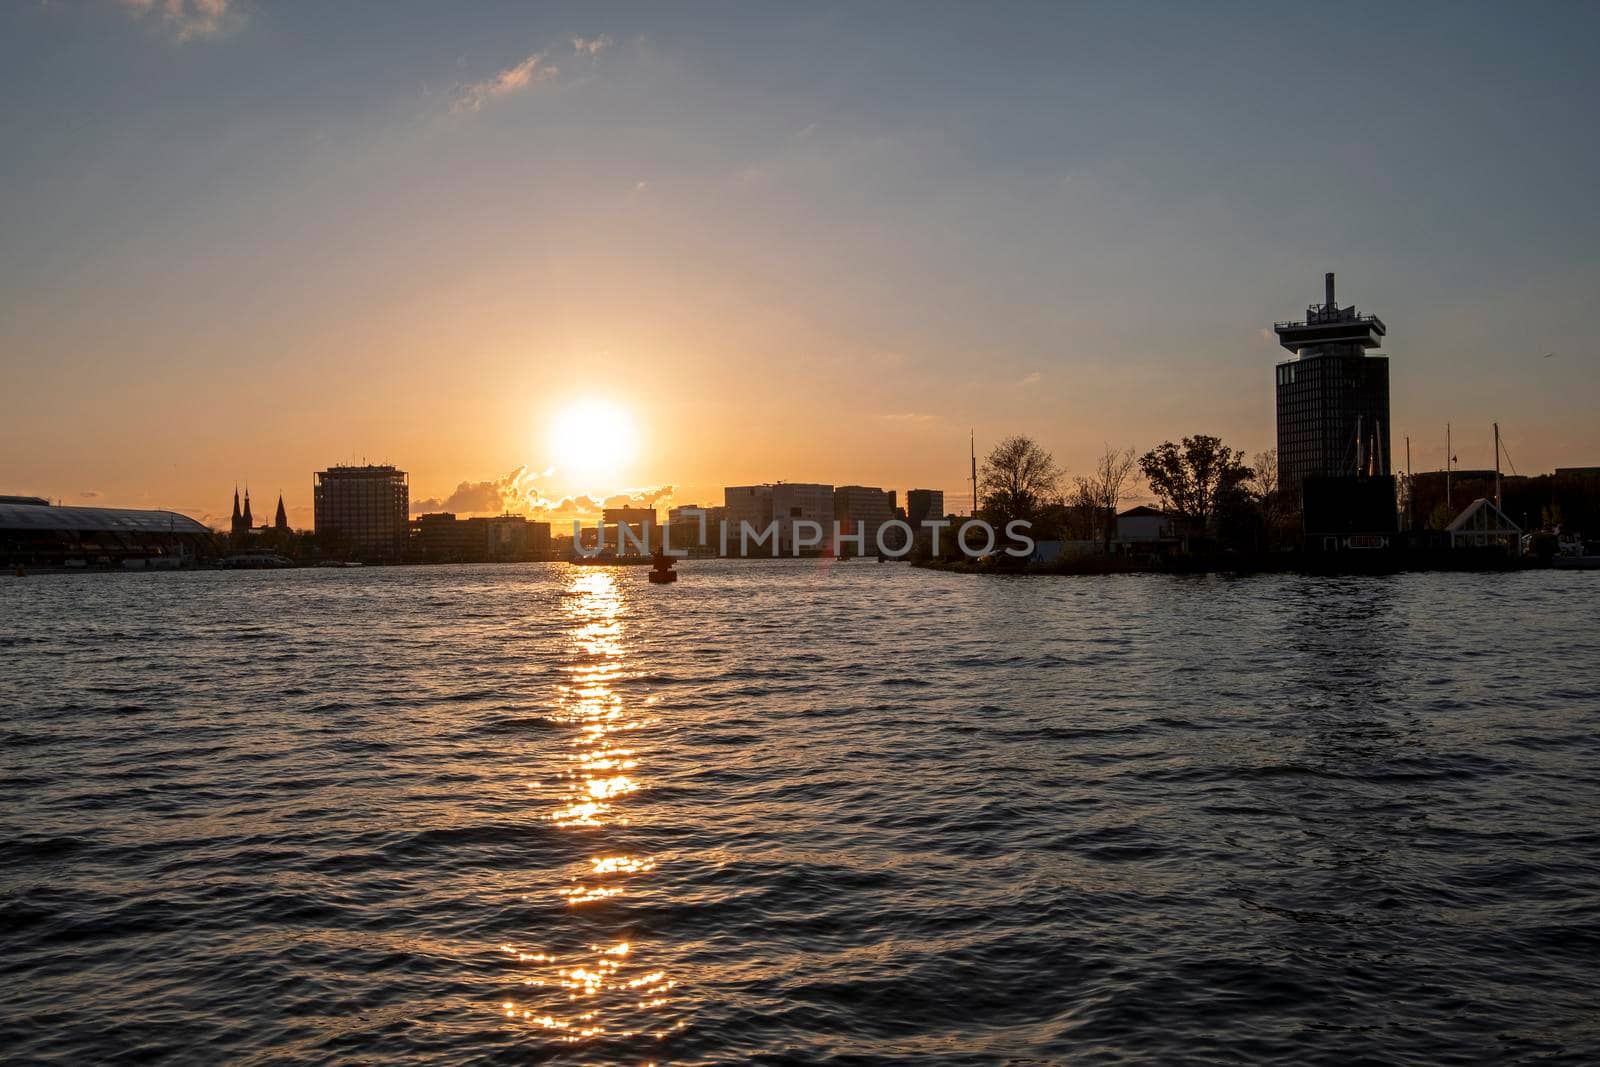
[{"x": 784, "y": 812}]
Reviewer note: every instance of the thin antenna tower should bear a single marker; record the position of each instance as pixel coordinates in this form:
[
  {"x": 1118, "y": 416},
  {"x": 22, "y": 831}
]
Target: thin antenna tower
[{"x": 972, "y": 445}]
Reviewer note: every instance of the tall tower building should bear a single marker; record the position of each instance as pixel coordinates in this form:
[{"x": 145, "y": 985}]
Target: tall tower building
[
  {"x": 367, "y": 509},
  {"x": 1333, "y": 398}
]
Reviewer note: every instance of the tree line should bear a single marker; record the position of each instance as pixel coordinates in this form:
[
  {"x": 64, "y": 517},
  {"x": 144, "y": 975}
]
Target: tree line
[{"x": 1211, "y": 495}]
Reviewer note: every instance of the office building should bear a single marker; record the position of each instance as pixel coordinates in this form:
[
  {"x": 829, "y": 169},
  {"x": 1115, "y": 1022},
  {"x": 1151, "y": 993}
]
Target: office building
[
  {"x": 697, "y": 528},
  {"x": 363, "y": 512},
  {"x": 797, "y": 502},
  {"x": 440, "y": 537},
  {"x": 924, "y": 504},
  {"x": 866, "y": 508},
  {"x": 1333, "y": 398},
  {"x": 748, "y": 504},
  {"x": 638, "y": 521},
  {"x": 443, "y": 538}
]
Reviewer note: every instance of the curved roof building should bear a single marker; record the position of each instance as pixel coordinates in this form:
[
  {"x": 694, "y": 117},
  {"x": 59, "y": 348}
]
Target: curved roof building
[
  {"x": 35, "y": 532},
  {"x": 46, "y": 517}
]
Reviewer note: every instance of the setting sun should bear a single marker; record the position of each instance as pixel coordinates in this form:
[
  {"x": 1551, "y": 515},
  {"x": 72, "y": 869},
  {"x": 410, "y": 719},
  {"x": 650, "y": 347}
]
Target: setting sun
[{"x": 593, "y": 439}]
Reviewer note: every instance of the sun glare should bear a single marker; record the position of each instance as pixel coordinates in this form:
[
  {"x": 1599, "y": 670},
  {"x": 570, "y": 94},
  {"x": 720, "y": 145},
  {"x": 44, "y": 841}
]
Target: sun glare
[{"x": 593, "y": 440}]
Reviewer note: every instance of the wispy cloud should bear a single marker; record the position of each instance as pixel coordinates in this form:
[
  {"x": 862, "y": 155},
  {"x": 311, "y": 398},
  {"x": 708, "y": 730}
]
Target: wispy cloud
[
  {"x": 187, "y": 20},
  {"x": 908, "y": 416},
  {"x": 1032, "y": 379},
  {"x": 513, "y": 79},
  {"x": 591, "y": 46}
]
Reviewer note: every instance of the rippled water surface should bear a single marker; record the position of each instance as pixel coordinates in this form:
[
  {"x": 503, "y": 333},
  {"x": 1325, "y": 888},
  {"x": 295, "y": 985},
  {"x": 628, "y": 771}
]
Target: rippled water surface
[{"x": 787, "y": 812}]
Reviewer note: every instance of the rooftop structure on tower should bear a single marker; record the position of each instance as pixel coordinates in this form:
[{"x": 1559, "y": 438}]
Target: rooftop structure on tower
[{"x": 1333, "y": 398}]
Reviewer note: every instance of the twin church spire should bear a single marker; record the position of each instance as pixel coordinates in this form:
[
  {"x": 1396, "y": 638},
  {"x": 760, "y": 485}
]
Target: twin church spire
[{"x": 244, "y": 522}]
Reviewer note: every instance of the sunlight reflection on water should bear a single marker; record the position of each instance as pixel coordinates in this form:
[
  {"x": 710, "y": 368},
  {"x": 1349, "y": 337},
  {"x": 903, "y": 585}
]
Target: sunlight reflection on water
[{"x": 605, "y": 990}]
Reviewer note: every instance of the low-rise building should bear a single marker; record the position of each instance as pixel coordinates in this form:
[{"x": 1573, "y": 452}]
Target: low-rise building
[
  {"x": 1143, "y": 524},
  {"x": 441, "y": 537}
]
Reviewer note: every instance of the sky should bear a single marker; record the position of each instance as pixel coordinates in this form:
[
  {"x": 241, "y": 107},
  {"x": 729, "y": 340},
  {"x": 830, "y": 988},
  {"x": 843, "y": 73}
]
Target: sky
[{"x": 242, "y": 241}]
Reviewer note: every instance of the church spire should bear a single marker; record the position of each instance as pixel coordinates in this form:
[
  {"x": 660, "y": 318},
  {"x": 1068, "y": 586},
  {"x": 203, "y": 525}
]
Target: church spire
[
  {"x": 237, "y": 518},
  {"x": 246, "y": 519},
  {"x": 282, "y": 521}
]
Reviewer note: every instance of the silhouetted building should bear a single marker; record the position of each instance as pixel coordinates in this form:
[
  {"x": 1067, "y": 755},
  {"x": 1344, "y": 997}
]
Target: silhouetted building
[
  {"x": 637, "y": 520},
  {"x": 241, "y": 522},
  {"x": 363, "y": 510},
  {"x": 35, "y": 533},
  {"x": 1333, "y": 398},
  {"x": 863, "y": 509},
  {"x": 686, "y": 527},
  {"x": 800, "y": 502},
  {"x": 280, "y": 522},
  {"x": 1347, "y": 512},
  {"x": 924, "y": 504},
  {"x": 1144, "y": 524},
  {"x": 747, "y": 504},
  {"x": 442, "y": 538},
  {"x": 513, "y": 537},
  {"x": 439, "y": 537}
]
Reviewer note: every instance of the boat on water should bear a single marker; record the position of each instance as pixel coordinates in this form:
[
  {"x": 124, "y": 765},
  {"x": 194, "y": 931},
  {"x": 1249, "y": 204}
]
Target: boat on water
[{"x": 1577, "y": 556}]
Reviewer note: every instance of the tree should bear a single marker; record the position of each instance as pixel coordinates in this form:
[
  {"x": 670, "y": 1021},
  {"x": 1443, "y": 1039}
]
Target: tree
[
  {"x": 1269, "y": 496},
  {"x": 1189, "y": 480},
  {"x": 1105, "y": 485},
  {"x": 1084, "y": 521},
  {"x": 1019, "y": 478}
]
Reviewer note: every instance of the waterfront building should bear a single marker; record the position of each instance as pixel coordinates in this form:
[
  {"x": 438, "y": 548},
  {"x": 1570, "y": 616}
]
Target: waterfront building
[
  {"x": 637, "y": 520},
  {"x": 797, "y": 502},
  {"x": 363, "y": 511},
  {"x": 924, "y": 504},
  {"x": 280, "y": 521},
  {"x": 439, "y": 537},
  {"x": 685, "y": 524},
  {"x": 867, "y": 507},
  {"x": 36, "y": 533},
  {"x": 1332, "y": 397},
  {"x": 1143, "y": 524},
  {"x": 746, "y": 503},
  {"x": 443, "y": 538},
  {"x": 1483, "y": 525},
  {"x": 512, "y": 537}
]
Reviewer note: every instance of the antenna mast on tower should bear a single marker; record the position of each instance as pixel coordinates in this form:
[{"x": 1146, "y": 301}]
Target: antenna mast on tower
[{"x": 972, "y": 445}]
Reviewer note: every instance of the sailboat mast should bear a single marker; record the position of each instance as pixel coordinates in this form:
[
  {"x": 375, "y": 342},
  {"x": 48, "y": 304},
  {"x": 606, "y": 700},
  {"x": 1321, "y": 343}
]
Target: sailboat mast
[
  {"x": 1448, "y": 464},
  {"x": 1411, "y": 502},
  {"x": 1497, "y": 465}
]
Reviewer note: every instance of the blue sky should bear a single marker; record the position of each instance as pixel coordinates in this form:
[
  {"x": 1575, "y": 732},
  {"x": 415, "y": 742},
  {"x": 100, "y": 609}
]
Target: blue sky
[{"x": 811, "y": 242}]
